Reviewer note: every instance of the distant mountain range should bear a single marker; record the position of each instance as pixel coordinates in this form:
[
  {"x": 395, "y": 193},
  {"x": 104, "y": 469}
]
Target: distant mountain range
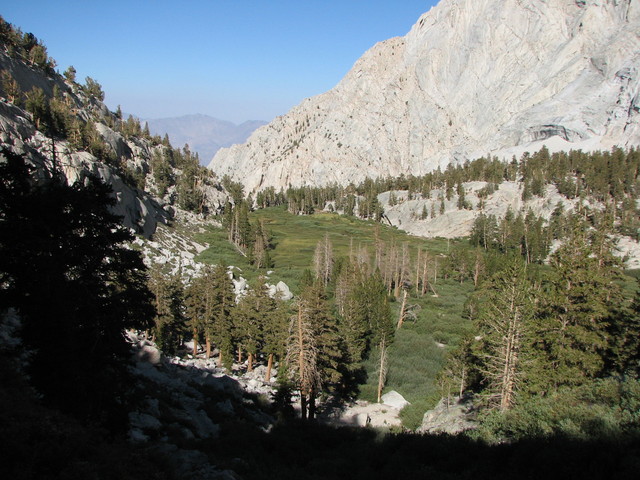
[{"x": 204, "y": 134}]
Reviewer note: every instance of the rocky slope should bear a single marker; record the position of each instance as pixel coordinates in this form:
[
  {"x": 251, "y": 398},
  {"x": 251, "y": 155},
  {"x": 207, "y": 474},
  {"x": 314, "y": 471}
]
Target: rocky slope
[
  {"x": 142, "y": 208},
  {"x": 471, "y": 77},
  {"x": 407, "y": 212}
]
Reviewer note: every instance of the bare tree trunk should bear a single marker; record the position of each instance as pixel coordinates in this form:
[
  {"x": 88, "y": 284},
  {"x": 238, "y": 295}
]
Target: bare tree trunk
[
  {"x": 312, "y": 404},
  {"x": 267, "y": 375},
  {"x": 301, "y": 365},
  {"x": 195, "y": 342},
  {"x": 250, "y": 362},
  {"x": 239, "y": 354},
  {"x": 303, "y": 405},
  {"x": 208, "y": 346},
  {"x": 402, "y": 311},
  {"x": 435, "y": 271},
  {"x": 382, "y": 374},
  {"x": 418, "y": 271},
  {"x": 425, "y": 274},
  {"x": 476, "y": 270}
]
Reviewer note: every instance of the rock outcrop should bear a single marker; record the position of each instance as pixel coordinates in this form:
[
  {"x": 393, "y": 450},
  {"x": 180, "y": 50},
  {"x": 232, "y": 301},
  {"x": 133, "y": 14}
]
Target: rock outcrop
[
  {"x": 471, "y": 77},
  {"x": 449, "y": 417}
]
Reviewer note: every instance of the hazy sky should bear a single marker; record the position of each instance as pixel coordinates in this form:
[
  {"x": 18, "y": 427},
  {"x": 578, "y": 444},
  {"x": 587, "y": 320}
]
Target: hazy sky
[{"x": 233, "y": 59}]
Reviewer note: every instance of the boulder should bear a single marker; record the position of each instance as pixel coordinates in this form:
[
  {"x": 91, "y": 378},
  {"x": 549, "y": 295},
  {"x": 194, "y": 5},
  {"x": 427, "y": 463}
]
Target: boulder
[
  {"x": 282, "y": 289},
  {"x": 395, "y": 400},
  {"x": 452, "y": 418},
  {"x": 148, "y": 353}
]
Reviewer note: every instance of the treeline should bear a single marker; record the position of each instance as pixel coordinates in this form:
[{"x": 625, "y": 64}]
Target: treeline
[
  {"x": 545, "y": 335},
  {"x": 307, "y": 200},
  {"x": 608, "y": 178},
  {"x": 526, "y": 235}
]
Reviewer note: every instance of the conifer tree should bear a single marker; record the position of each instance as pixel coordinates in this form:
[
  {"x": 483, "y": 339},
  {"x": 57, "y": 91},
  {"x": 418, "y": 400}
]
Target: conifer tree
[
  {"x": 302, "y": 357},
  {"x": 503, "y": 317},
  {"x": 76, "y": 286},
  {"x": 169, "y": 321},
  {"x": 11, "y": 88},
  {"x": 571, "y": 331},
  {"x": 220, "y": 321},
  {"x": 314, "y": 331}
]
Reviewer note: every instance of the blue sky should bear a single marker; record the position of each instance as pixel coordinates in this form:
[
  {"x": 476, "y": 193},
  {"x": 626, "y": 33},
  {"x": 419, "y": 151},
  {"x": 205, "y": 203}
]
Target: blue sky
[{"x": 232, "y": 59}]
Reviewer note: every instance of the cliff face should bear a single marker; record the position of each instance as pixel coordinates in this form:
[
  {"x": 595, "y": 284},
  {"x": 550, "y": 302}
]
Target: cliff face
[{"x": 471, "y": 77}]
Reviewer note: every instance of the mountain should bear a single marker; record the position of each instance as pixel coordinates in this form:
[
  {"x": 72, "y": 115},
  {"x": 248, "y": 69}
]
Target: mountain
[
  {"x": 204, "y": 134},
  {"x": 471, "y": 77}
]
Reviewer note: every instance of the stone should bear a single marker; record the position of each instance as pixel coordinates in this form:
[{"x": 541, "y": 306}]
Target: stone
[
  {"x": 395, "y": 400},
  {"x": 144, "y": 421},
  {"x": 470, "y": 78},
  {"x": 452, "y": 418},
  {"x": 149, "y": 354}
]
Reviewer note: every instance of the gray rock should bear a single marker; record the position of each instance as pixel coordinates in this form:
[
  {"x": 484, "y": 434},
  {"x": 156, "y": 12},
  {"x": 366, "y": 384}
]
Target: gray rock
[
  {"x": 452, "y": 418},
  {"x": 137, "y": 436},
  {"x": 149, "y": 354},
  {"x": 144, "y": 421},
  {"x": 282, "y": 289},
  {"x": 395, "y": 400}
]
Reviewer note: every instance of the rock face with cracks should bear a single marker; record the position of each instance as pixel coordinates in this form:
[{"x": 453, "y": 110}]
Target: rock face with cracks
[{"x": 471, "y": 77}]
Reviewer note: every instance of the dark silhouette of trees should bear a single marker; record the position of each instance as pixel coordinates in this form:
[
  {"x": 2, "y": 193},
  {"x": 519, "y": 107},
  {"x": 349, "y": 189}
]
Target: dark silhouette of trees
[{"x": 67, "y": 272}]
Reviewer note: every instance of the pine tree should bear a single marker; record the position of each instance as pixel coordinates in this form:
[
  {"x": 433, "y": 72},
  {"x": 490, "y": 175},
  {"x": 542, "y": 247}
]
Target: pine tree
[
  {"x": 255, "y": 310},
  {"x": 503, "y": 318},
  {"x": 222, "y": 303},
  {"x": 65, "y": 267},
  {"x": 275, "y": 334},
  {"x": 571, "y": 330},
  {"x": 623, "y": 353},
  {"x": 11, "y": 88},
  {"x": 315, "y": 331},
  {"x": 302, "y": 357},
  {"x": 354, "y": 324},
  {"x": 169, "y": 321}
]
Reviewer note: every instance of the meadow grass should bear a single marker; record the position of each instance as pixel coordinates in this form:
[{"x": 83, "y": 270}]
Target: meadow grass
[
  {"x": 418, "y": 350},
  {"x": 414, "y": 357}
]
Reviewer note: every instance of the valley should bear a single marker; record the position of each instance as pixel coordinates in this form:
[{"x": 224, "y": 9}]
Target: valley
[{"x": 162, "y": 319}]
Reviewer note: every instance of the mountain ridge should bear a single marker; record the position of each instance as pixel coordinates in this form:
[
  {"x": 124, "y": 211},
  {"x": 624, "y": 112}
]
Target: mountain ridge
[{"x": 203, "y": 133}]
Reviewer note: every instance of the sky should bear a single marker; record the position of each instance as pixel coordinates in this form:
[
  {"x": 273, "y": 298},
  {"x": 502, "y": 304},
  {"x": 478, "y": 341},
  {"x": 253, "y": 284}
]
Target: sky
[{"x": 235, "y": 60}]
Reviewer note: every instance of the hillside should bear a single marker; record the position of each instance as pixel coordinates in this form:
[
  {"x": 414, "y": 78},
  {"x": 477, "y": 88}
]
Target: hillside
[
  {"x": 470, "y": 78},
  {"x": 62, "y": 125}
]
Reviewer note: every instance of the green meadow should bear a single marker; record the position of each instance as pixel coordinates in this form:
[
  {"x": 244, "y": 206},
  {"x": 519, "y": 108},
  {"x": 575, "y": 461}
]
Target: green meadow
[{"x": 418, "y": 350}]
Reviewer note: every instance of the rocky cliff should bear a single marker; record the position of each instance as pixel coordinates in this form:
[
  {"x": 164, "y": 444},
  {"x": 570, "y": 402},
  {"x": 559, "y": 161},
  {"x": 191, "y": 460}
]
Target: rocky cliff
[{"x": 471, "y": 77}]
